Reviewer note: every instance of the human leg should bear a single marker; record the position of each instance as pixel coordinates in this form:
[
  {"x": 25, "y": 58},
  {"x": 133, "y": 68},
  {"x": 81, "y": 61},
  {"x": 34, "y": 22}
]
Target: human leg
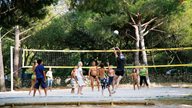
[
  {"x": 43, "y": 85},
  {"x": 32, "y": 86},
  {"x": 118, "y": 81},
  {"x": 141, "y": 80},
  {"x": 109, "y": 90},
  {"x": 134, "y": 86},
  {"x": 145, "y": 80},
  {"x": 98, "y": 85},
  {"x": 92, "y": 83},
  {"x": 81, "y": 89},
  {"x": 51, "y": 83},
  {"x": 114, "y": 82},
  {"x": 36, "y": 86}
]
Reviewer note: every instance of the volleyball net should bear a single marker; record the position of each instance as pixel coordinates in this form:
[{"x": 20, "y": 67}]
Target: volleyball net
[
  {"x": 164, "y": 64},
  {"x": 167, "y": 57}
]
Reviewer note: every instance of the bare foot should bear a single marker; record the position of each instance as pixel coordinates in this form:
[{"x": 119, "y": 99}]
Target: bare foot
[{"x": 113, "y": 92}]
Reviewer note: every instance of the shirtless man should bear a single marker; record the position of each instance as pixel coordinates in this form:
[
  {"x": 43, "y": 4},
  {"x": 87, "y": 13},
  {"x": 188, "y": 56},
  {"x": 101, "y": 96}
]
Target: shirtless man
[
  {"x": 93, "y": 72},
  {"x": 102, "y": 77},
  {"x": 111, "y": 74}
]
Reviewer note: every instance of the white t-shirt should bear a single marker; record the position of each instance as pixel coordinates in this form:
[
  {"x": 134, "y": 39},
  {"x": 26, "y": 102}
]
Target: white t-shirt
[{"x": 49, "y": 75}]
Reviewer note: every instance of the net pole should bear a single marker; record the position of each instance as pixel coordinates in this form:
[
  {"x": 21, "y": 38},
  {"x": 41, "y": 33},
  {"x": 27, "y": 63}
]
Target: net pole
[
  {"x": 11, "y": 60},
  {"x": 23, "y": 58}
]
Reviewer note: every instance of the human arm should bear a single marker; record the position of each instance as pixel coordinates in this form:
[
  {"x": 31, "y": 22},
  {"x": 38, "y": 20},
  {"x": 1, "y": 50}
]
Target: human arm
[
  {"x": 107, "y": 67},
  {"x": 132, "y": 76},
  {"x": 119, "y": 50},
  {"x": 72, "y": 73},
  {"x": 89, "y": 73},
  {"x": 115, "y": 52},
  {"x": 44, "y": 75},
  {"x": 147, "y": 72}
]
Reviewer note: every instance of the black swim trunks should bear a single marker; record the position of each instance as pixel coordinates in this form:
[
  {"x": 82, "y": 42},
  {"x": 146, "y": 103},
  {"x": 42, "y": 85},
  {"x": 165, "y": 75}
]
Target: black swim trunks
[
  {"x": 93, "y": 76},
  {"x": 110, "y": 81},
  {"x": 120, "y": 72},
  {"x": 120, "y": 65}
]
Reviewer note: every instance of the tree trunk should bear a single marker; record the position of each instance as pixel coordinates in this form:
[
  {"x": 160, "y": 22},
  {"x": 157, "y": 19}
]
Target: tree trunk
[
  {"x": 2, "y": 78},
  {"x": 144, "y": 55},
  {"x": 16, "y": 53},
  {"x": 136, "y": 58},
  {"x": 142, "y": 42}
]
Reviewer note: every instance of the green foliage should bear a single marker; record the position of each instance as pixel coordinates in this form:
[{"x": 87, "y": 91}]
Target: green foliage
[
  {"x": 90, "y": 24},
  {"x": 23, "y": 12},
  {"x": 180, "y": 24}
]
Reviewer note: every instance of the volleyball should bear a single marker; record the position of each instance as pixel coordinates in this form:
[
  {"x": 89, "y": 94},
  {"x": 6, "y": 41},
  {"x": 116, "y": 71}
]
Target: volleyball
[{"x": 116, "y": 32}]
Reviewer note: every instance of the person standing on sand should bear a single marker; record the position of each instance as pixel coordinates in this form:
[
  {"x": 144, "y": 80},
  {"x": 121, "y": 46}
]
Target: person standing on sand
[
  {"x": 135, "y": 77},
  {"x": 143, "y": 76},
  {"x": 93, "y": 72},
  {"x": 111, "y": 75},
  {"x": 40, "y": 77},
  {"x": 102, "y": 77},
  {"x": 73, "y": 79},
  {"x": 33, "y": 78},
  {"x": 80, "y": 78},
  {"x": 49, "y": 75}
]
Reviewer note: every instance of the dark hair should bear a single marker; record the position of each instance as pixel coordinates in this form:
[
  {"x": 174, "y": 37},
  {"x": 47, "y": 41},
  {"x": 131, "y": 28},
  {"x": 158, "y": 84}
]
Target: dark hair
[
  {"x": 39, "y": 61},
  {"x": 116, "y": 48},
  {"x": 102, "y": 65}
]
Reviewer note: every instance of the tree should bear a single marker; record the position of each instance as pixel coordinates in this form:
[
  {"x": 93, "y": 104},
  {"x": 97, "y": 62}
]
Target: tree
[
  {"x": 2, "y": 80},
  {"x": 22, "y": 12},
  {"x": 144, "y": 16},
  {"x": 179, "y": 24},
  {"x": 25, "y": 14}
]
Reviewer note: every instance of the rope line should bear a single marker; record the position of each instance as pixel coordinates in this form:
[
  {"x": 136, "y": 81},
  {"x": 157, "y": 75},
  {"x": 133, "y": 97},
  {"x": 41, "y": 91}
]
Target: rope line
[
  {"x": 131, "y": 50},
  {"x": 149, "y": 66}
]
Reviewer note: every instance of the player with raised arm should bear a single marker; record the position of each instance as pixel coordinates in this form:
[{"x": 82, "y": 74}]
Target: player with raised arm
[{"x": 120, "y": 58}]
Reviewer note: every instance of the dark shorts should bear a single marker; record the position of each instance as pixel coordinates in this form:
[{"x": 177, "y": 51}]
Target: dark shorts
[
  {"x": 40, "y": 81},
  {"x": 110, "y": 81},
  {"x": 119, "y": 72},
  {"x": 103, "y": 82}
]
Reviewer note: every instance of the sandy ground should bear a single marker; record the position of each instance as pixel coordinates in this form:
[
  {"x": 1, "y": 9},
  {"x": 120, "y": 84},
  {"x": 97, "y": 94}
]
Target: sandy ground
[{"x": 122, "y": 94}]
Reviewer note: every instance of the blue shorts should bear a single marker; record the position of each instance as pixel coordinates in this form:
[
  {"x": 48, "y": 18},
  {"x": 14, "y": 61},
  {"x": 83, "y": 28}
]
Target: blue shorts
[
  {"x": 103, "y": 82},
  {"x": 40, "y": 81},
  {"x": 110, "y": 81},
  {"x": 49, "y": 82}
]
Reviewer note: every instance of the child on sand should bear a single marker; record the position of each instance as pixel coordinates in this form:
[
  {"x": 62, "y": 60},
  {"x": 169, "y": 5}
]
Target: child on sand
[
  {"x": 73, "y": 79},
  {"x": 135, "y": 76}
]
